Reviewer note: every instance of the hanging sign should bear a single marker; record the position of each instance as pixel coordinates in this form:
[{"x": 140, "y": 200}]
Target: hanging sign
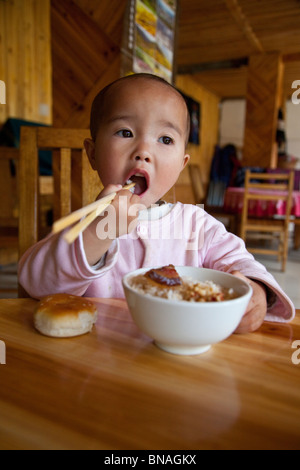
[{"x": 149, "y": 39}]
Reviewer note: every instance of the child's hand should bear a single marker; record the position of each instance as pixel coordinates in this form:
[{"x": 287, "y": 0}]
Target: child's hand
[
  {"x": 257, "y": 307},
  {"x": 119, "y": 220},
  {"x": 124, "y": 218}
]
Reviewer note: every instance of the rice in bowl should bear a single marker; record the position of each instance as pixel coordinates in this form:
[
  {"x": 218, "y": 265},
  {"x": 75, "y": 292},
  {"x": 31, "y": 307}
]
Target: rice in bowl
[
  {"x": 186, "y": 327},
  {"x": 179, "y": 288}
]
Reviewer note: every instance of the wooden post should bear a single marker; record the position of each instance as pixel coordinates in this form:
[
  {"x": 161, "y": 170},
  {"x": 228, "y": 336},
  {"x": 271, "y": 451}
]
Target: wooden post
[
  {"x": 26, "y": 60},
  {"x": 264, "y": 97}
]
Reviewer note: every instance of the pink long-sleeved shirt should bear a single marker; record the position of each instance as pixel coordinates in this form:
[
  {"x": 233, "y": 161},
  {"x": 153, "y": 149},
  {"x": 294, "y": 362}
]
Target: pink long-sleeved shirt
[{"x": 185, "y": 236}]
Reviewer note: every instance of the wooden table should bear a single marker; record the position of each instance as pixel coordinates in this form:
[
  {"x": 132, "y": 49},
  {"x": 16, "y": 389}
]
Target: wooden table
[{"x": 113, "y": 389}]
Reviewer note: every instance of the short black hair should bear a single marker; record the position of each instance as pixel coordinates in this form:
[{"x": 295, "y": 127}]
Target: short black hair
[{"x": 97, "y": 110}]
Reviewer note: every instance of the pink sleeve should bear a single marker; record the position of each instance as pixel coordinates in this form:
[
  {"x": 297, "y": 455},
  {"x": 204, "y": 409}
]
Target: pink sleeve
[
  {"x": 227, "y": 252},
  {"x": 53, "y": 266}
]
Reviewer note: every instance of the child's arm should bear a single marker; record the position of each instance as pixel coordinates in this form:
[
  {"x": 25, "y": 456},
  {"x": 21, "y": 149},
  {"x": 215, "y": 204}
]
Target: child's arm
[
  {"x": 257, "y": 308},
  {"x": 224, "y": 251},
  {"x": 120, "y": 219},
  {"x": 54, "y": 266}
]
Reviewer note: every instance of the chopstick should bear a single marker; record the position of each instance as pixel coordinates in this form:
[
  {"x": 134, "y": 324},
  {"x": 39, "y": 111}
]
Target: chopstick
[{"x": 92, "y": 211}]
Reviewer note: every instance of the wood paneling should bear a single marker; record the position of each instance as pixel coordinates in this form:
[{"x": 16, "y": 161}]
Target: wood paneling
[
  {"x": 208, "y": 33},
  {"x": 291, "y": 73},
  {"x": 220, "y": 30},
  {"x": 25, "y": 60},
  {"x": 108, "y": 15},
  {"x": 86, "y": 42},
  {"x": 227, "y": 83},
  {"x": 209, "y": 124},
  {"x": 264, "y": 96},
  {"x": 242, "y": 21},
  {"x": 232, "y": 82},
  {"x": 226, "y": 29}
]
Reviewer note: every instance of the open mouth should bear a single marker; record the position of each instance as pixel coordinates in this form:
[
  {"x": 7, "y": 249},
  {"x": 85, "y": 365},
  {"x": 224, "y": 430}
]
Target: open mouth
[{"x": 141, "y": 183}]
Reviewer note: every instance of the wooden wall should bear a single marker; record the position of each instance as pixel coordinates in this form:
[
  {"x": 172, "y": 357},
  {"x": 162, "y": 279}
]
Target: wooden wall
[
  {"x": 209, "y": 123},
  {"x": 61, "y": 72},
  {"x": 25, "y": 60},
  {"x": 86, "y": 44},
  {"x": 86, "y": 52}
]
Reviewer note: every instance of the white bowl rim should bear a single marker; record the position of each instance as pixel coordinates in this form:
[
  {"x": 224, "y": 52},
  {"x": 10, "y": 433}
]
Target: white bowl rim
[{"x": 186, "y": 302}]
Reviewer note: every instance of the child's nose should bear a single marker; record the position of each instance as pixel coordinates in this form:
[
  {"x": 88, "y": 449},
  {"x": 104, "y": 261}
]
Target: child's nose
[
  {"x": 142, "y": 151},
  {"x": 143, "y": 158}
]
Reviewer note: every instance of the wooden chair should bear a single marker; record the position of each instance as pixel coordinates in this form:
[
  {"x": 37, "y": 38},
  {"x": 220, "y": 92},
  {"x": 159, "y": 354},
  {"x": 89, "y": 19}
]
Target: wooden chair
[
  {"x": 8, "y": 216},
  {"x": 182, "y": 191},
  {"x": 196, "y": 182},
  {"x": 200, "y": 196},
  {"x": 75, "y": 184},
  {"x": 8, "y": 188},
  {"x": 268, "y": 228},
  {"x": 296, "y": 223}
]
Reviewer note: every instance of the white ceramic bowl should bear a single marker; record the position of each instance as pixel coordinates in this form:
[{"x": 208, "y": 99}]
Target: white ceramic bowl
[{"x": 188, "y": 328}]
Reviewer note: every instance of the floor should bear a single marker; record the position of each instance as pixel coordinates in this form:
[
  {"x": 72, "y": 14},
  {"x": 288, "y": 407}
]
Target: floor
[
  {"x": 289, "y": 281},
  {"x": 8, "y": 281}
]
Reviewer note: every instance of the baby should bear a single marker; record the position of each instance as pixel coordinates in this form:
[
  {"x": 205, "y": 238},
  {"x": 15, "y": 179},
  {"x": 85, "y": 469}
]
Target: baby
[{"x": 139, "y": 131}]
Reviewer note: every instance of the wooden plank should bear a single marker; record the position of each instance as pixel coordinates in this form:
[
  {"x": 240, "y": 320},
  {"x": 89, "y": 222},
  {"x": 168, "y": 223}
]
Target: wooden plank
[
  {"x": 265, "y": 197},
  {"x": 46, "y": 185},
  {"x": 3, "y": 48},
  {"x": 287, "y": 58},
  {"x": 107, "y": 14},
  {"x": 25, "y": 60},
  {"x": 264, "y": 95},
  {"x": 84, "y": 56},
  {"x": 237, "y": 13},
  {"x": 80, "y": 117},
  {"x": 6, "y": 193},
  {"x": 212, "y": 66},
  {"x": 270, "y": 176},
  {"x": 64, "y": 182},
  {"x": 57, "y": 138},
  {"x": 91, "y": 190},
  {"x": 44, "y": 63},
  {"x": 209, "y": 32},
  {"x": 9, "y": 153},
  {"x": 28, "y": 187}
]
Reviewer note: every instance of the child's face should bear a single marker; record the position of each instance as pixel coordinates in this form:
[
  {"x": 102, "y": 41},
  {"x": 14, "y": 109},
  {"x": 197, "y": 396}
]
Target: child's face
[{"x": 142, "y": 137}]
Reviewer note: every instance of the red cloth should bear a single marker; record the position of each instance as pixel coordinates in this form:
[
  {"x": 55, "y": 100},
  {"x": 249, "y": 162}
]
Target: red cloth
[{"x": 234, "y": 200}]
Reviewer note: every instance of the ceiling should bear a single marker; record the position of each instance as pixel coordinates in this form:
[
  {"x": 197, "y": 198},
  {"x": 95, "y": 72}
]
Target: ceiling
[{"x": 216, "y": 38}]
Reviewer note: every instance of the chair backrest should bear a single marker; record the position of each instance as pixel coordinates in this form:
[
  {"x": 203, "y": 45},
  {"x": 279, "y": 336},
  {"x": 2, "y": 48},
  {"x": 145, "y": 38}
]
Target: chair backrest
[
  {"x": 9, "y": 158},
  {"x": 272, "y": 187},
  {"x": 282, "y": 170},
  {"x": 75, "y": 183},
  {"x": 197, "y": 184},
  {"x": 183, "y": 190},
  {"x": 8, "y": 187}
]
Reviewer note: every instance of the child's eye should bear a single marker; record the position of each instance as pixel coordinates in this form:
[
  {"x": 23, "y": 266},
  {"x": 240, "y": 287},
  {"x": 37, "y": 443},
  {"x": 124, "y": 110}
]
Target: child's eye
[
  {"x": 125, "y": 133},
  {"x": 166, "y": 140}
]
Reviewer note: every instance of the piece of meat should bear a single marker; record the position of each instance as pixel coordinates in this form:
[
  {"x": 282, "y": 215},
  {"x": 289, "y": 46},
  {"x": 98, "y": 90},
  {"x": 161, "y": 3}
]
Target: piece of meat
[{"x": 167, "y": 275}]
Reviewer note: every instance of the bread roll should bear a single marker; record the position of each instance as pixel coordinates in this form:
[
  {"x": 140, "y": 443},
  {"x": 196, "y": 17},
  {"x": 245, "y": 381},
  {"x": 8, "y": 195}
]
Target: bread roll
[{"x": 64, "y": 316}]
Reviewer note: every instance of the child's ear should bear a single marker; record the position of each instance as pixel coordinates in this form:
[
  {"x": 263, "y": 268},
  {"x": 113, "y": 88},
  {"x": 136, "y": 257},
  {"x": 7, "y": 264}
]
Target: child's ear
[
  {"x": 185, "y": 161},
  {"x": 89, "y": 146}
]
